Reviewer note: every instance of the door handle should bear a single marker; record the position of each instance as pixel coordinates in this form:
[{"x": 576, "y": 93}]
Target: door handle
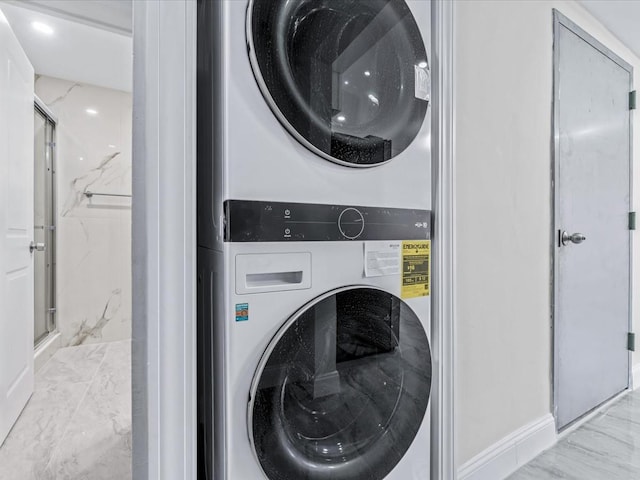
[
  {"x": 576, "y": 238},
  {"x": 40, "y": 247}
]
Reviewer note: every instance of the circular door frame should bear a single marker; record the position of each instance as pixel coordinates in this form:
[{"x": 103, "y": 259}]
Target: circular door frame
[
  {"x": 273, "y": 342},
  {"x": 266, "y": 94}
]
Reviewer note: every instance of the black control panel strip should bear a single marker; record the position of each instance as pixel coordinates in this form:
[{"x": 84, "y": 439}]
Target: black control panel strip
[{"x": 257, "y": 221}]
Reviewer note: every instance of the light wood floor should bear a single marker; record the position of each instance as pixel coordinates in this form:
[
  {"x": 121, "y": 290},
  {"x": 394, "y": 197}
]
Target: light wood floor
[{"x": 605, "y": 448}]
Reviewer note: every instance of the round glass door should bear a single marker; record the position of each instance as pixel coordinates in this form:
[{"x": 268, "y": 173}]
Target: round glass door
[
  {"x": 348, "y": 78},
  {"x": 342, "y": 389}
]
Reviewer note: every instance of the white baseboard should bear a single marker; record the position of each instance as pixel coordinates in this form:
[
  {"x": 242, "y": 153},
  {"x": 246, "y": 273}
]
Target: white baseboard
[
  {"x": 635, "y": 376},
  {"x": 504, "y": 457}
]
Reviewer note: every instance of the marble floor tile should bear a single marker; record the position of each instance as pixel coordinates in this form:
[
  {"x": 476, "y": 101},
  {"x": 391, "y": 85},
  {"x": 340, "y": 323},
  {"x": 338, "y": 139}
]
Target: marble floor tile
[
  {"x": 72, "y": 364},
  {"x": 29, "y": 446},
  {"x": 97, "y": 444},
  {"x": 607, "y": 447},
  {"x": 77, "y": 424},
  {"x": 118, "y": 357}
]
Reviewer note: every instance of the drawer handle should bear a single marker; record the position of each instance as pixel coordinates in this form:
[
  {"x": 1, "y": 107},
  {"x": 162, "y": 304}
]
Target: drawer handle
[{"x": 270, "y": 279}]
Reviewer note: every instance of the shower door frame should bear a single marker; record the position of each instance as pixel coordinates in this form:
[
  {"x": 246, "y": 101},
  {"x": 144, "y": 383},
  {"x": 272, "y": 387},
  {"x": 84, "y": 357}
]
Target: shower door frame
[{"x": 50, "y": 221}]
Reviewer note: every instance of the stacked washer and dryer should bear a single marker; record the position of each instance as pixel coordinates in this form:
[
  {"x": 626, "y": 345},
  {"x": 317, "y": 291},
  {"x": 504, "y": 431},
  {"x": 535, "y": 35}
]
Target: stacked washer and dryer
[{"x": 314, "y": 195}]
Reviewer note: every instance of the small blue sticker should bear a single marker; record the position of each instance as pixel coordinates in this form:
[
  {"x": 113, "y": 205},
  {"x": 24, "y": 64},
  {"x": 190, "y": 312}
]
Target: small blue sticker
[{"x": 242, "y": 312}]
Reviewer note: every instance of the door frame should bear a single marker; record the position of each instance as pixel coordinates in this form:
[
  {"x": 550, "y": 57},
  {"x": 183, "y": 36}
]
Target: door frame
[
  {"x": 50, "y": 252},
  {"x": 559, "y": 21},
  {"x": 443, "y": 240},
  {"x": 164, "y": 396}
]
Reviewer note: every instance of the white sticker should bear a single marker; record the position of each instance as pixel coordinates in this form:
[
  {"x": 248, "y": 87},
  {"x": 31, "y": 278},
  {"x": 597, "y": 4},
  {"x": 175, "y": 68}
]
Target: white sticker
[
  {"x": 381, "y": 258},
  {"x": 422, "y": 82}
]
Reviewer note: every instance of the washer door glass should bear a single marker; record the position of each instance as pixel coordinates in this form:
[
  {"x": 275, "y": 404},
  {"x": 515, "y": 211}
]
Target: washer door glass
[
  {"x": 348, "y": 78},
  {"x": 342, "y": 390}
]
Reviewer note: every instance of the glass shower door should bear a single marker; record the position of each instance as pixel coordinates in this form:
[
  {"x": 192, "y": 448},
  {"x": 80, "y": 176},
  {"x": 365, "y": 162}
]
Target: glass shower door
[{"x": 44, "y": 226}]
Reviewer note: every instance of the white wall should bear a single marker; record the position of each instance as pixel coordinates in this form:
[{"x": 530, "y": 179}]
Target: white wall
[
  {"x": 503, "y": 111},
  {"x": 93, "y": 153}
]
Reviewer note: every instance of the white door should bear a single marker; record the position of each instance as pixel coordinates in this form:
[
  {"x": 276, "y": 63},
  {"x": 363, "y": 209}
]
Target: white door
[
  {"x": 592, "y": 171},
  {"x": 16, "y": 228}
]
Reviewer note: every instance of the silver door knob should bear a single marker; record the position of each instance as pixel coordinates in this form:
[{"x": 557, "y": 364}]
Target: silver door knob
[
  {"x": 40, "y": 247},
  {"x": 573, "y": 238}
]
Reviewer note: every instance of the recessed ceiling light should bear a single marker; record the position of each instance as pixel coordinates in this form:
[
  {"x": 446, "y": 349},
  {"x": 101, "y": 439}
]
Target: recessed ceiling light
[
  {"x": 42, "y": 28},
  {"x": 112, "y": 146},
  {"x": 91, "y": 111}
]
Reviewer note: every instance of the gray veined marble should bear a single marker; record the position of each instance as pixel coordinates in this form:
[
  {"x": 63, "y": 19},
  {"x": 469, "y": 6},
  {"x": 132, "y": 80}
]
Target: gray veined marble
[
  {"x": 93, "y": 244},
  {"x": 605, "y": 448},
  {"x": 111, "y": 308},
  {"x": 77, "y": 424},
  {"x": 31, "y": 443},
  {"x": 72, "y": 365},
  {"x": 63, "y": 95},
  {"x": 84, "y": 183}
]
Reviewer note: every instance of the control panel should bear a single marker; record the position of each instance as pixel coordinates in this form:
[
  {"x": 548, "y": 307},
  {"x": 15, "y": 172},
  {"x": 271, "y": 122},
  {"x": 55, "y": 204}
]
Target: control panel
[{"x": 257, "y": 221}]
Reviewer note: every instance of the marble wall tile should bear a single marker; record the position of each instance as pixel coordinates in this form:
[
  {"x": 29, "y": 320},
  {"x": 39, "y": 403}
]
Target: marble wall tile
[{"x": 93, "y": 153}]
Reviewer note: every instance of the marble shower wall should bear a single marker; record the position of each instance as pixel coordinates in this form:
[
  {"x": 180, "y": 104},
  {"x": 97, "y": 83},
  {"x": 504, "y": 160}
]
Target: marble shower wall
[{"x": 93, "y": 153}]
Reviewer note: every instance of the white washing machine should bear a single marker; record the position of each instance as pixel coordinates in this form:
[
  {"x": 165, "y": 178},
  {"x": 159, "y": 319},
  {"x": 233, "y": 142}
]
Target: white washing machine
[
  {"x": 317, "y": 347},
  {"x": 316, "y": 100},
  {"x": 313, "y": 177}
]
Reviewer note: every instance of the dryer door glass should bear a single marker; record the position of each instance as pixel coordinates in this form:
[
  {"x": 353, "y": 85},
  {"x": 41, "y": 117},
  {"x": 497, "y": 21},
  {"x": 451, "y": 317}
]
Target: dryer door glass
[
  {"x": 348, "y": 78},
  {"x": 342, "y": 390}
]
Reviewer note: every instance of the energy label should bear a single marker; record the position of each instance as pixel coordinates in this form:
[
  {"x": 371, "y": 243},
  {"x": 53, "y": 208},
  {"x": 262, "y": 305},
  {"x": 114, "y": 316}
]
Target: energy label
[{"x": 416, "y": 268}]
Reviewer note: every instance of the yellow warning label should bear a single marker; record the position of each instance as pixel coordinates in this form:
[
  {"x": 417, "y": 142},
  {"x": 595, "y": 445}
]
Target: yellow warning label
[{"x": 416, "y": 268}]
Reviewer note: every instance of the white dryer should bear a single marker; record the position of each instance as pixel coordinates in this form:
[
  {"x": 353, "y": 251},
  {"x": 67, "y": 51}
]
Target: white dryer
[
  {"x": 313, "y": 147},
  {"x": 318, "y": 100},
  {"x": 317, "y": 346}
]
